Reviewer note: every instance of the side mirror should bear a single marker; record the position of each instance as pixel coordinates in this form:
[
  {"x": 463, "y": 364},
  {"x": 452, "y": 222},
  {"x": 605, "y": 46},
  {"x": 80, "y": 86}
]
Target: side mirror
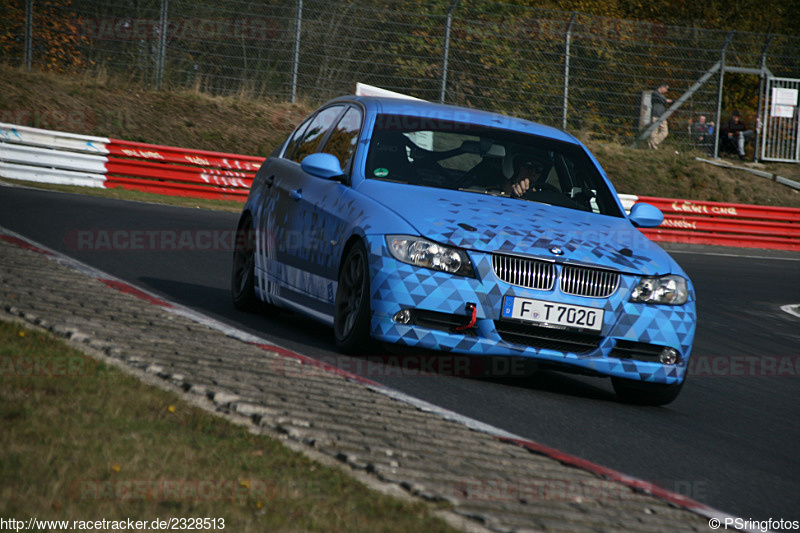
[
  {"x": 322, "y": 165},
  {"x": 646, "y": 216}
]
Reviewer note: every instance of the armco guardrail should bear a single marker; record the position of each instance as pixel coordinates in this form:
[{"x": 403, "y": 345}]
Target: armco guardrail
[
  {"x": 55, "y": 157},
  {"x": 715, "y": 223},
  {"x": 33, "y": 154},
  {"x": 180, "y": 171}
]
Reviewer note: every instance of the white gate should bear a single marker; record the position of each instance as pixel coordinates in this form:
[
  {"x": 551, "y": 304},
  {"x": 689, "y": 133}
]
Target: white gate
[{"x": 780, "y": 139}]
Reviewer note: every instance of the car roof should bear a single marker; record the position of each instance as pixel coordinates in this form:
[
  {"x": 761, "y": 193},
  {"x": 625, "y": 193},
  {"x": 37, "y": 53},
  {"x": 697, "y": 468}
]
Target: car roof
[{"x": 423, "y": 108}]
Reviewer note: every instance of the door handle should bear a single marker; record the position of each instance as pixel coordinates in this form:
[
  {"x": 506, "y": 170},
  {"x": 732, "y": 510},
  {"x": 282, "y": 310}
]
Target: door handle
[
  {"x": 270, "y": 181},
  {"x": 296, "y": 194}
]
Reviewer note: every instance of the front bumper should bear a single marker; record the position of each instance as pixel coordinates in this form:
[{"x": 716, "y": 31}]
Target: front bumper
[{"x": 627, "y": 346}]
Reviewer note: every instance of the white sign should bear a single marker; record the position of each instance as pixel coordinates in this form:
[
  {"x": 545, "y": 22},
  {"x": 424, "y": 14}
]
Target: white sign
[
  {"x": 784, "y": 102},
  {"x": 782, "y": 111},
  {"x": 781, "y": 96},
  {"x": 362, "y": 89}
]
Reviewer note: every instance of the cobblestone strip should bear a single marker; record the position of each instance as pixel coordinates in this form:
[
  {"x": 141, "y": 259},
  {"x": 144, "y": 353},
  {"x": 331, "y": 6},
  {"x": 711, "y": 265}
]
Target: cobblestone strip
[{"x": 492, "y": 481}]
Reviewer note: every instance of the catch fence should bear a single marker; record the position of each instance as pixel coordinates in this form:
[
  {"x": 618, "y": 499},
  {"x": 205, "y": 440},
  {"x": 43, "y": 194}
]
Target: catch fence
[
  {"x": 32, "y": 154},
  {"x": 580, "y": 72}
]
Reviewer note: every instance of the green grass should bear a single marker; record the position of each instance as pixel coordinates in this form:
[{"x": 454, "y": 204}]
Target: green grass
[
  {"x": 83, "y": 441},
  {"x": 137, "y": 196}
]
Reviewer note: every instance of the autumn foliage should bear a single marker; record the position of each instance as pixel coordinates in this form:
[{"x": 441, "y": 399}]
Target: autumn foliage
[{"x": 56, "y": 42}]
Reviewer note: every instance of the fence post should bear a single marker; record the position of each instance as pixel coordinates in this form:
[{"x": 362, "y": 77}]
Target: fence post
[
  {"x": 728, "y": 40},
  {"x": 28, "y": 34},
  {"x": 296, "y": 60},
  {"x": 566, "y": 70},
  {"x": 446, "y": 52},
  {"x": 762, "y": 88},
  {"x": 675, "y": 105},
  {"x": 162, "y": 44}
]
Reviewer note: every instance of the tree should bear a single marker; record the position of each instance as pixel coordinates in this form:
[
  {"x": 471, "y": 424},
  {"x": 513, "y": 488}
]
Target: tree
[{"x": 57, "y": 41}]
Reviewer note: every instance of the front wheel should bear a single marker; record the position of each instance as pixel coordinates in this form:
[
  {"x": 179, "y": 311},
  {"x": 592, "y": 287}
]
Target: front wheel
[
  {"x": 243, "y": 274},
  {"x": 351, "y": 318},
  {"x": 641, "y": 393}
]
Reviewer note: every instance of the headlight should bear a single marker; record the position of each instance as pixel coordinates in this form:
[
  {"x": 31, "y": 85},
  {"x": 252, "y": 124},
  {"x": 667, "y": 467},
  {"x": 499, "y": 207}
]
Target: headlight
[
  {"x": 424, "y": 253},
  {"x": 669, "y": 290}
]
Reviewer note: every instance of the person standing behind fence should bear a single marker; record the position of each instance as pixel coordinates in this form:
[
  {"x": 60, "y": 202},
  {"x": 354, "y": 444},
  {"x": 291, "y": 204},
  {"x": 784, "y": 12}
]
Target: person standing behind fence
[{"x": 658, "y": 106}]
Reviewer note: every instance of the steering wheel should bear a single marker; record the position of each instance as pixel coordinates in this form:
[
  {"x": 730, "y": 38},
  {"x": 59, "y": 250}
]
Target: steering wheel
[{"x": 544, "y": 186}]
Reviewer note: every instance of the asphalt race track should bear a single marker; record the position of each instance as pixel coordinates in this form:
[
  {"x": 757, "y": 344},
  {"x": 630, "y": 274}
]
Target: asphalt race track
[{"x": 730, "y": 441}]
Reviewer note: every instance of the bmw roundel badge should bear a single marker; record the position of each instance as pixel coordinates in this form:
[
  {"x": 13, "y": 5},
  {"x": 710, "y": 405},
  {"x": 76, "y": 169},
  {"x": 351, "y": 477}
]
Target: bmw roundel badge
[{"x": 555, "y": 250}]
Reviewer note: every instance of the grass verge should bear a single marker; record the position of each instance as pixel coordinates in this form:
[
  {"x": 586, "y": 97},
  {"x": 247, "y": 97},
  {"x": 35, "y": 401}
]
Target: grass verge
[
  {"x": 135, "y": 196},
  {"x": 95, "y": 104},
  {"x": 84, "y": 441}
]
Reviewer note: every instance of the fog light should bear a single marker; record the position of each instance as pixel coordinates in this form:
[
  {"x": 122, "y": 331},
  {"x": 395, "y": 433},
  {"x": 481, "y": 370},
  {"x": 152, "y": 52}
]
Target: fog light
[
  {"x": 668, "y": 356},
  {"x": 403, "y": 316}
]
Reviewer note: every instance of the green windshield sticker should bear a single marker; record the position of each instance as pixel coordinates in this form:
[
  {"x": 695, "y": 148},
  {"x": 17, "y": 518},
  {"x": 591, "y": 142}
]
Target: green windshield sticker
[{"x": 381, "y": 172}]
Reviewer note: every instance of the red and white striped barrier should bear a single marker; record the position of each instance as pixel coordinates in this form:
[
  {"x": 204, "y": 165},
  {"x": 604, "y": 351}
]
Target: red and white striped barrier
[
  {"x": 54, "y": 157},
  {"x": 723, "y": 224},
  {"x": 180, "y": 171},
  {"x": 33, "y": 154}
]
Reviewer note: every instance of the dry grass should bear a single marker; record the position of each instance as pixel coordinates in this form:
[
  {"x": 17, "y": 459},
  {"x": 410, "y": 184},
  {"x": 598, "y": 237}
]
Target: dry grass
[
  {"x": 98, "y": 104},
  {"x": 82, "y": 441}
]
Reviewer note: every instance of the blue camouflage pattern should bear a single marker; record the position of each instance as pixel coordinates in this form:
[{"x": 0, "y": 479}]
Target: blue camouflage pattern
[{"x": 331, "y": 215}]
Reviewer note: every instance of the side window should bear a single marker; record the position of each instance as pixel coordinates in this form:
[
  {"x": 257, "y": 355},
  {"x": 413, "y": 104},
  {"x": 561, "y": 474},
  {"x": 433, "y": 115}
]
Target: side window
[
  {"x": 315, "y": 132},
  {"x": 296, "y": 137},
  {"x": 343, "y": 139}
]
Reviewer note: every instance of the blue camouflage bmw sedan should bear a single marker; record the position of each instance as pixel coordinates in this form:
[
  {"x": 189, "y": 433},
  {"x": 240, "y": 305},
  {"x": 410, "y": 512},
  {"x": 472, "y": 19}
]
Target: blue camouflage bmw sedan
[{"x": 452, "y": 229}]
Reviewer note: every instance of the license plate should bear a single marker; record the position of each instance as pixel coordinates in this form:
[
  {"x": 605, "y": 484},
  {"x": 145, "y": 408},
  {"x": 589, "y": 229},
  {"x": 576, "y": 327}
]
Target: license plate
[{"x": 553, "y": 314}]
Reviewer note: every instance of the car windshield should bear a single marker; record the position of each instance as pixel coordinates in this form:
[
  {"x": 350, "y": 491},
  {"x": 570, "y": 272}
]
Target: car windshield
[{"x": 455, "y": 155}]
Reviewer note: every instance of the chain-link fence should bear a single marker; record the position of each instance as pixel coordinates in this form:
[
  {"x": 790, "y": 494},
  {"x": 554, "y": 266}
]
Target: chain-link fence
[{"x": 576, "y": 71}]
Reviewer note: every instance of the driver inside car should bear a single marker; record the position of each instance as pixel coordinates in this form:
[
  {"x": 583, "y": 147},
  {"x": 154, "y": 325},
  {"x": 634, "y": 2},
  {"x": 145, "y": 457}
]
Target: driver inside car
[{"x": 527, "y": 174}]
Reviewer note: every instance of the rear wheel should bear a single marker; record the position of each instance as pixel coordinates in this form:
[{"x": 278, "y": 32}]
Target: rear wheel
[
  {"x": 351, "y": 319},
  {"x": 641, "y": 393},
  {"x": 243, "y": 274}
]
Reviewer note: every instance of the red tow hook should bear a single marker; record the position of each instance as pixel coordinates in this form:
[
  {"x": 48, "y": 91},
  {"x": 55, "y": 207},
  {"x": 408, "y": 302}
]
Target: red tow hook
[{"x": 473, "y": 309}]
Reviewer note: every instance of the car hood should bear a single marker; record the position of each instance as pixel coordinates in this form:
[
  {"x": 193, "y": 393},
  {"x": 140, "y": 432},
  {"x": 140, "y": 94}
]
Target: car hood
[{"x": 488, "y": 223}]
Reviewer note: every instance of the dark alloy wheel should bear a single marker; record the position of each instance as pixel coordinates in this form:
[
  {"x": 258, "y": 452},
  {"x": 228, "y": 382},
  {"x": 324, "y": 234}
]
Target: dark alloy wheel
[
  {"x": 352, "y": 313},
  {"x": 243, "y": 274}
]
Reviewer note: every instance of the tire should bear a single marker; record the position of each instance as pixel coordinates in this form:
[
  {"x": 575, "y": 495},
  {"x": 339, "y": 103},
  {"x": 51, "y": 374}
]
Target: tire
[
  {"x": 640, "y": 393},
  {"x": 351, "y": 318},
  {"x": 243, "y": 276}
]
